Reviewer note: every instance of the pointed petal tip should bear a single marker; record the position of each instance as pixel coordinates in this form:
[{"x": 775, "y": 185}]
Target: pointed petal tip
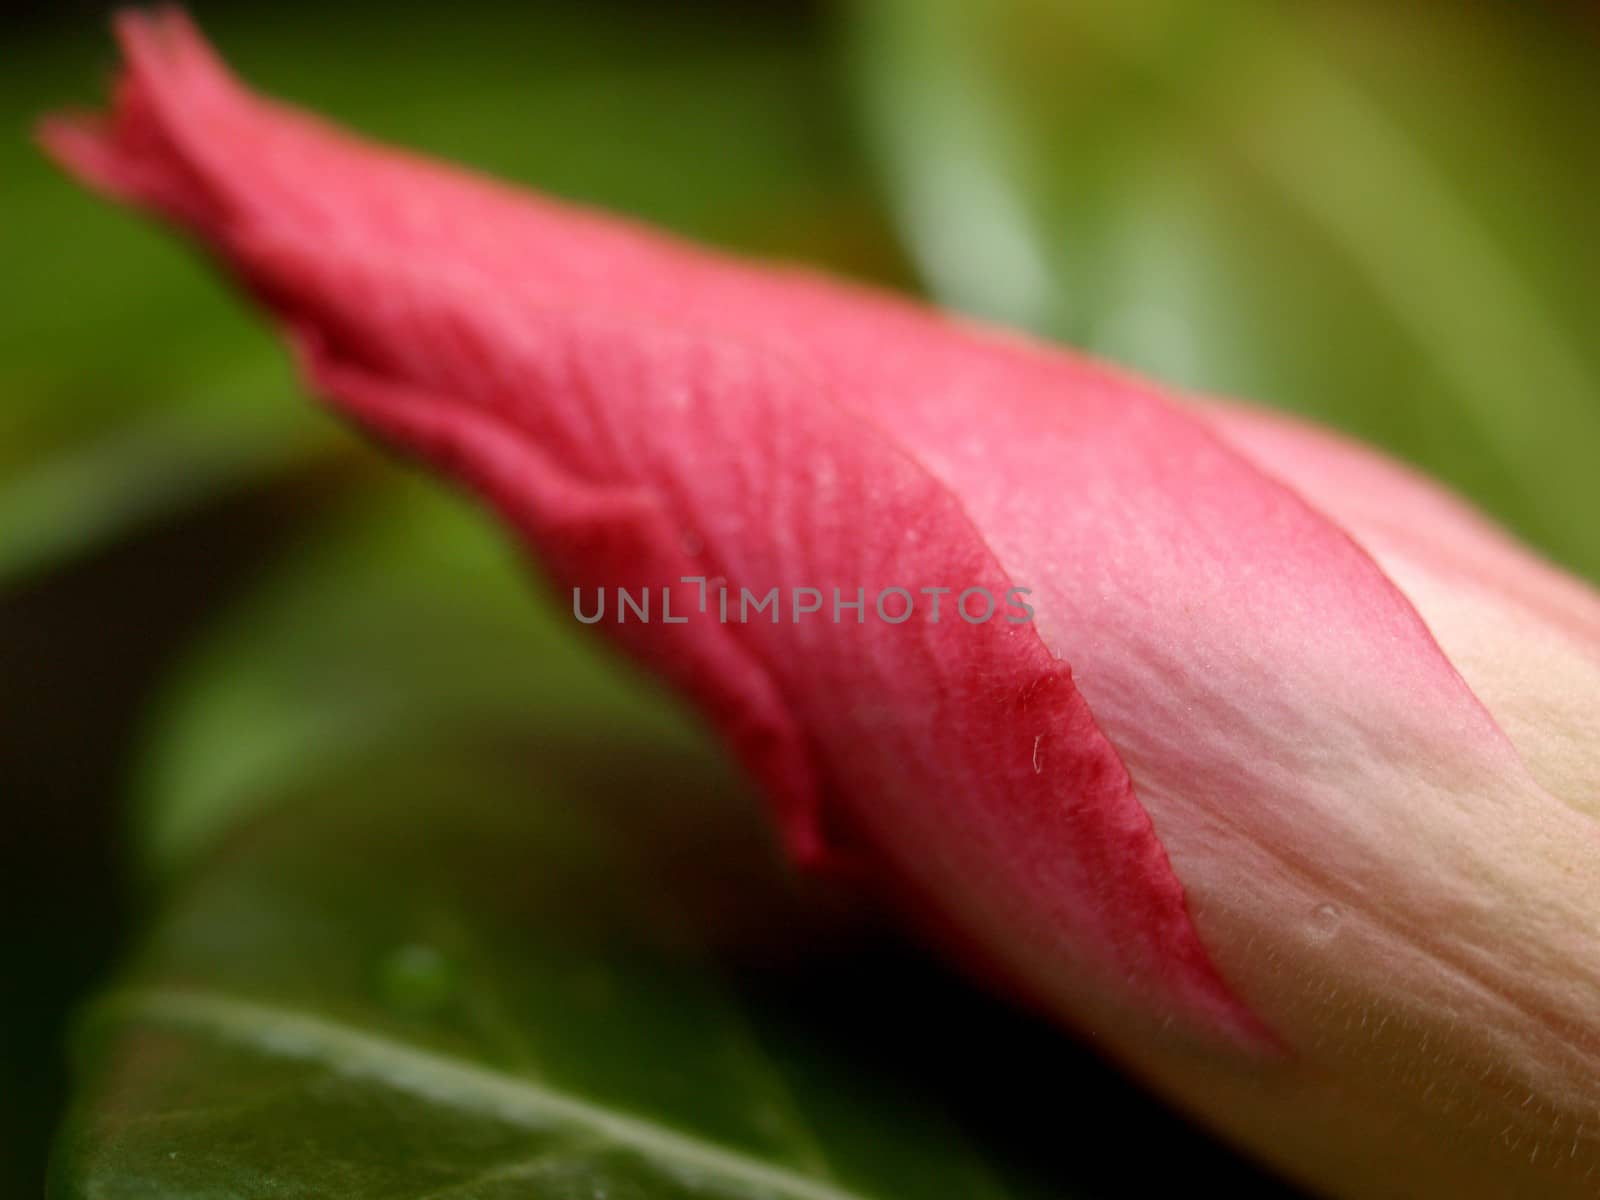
[{"x": 83, "y": 145}]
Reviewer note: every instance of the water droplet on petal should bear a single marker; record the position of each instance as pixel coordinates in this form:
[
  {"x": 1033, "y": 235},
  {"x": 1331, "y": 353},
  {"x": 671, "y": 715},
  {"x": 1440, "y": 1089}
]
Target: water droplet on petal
[{"x": 1325, "y": 919}]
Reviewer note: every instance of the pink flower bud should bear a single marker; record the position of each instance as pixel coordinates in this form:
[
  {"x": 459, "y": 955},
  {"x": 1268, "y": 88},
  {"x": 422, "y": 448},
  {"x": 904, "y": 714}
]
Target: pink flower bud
[{"x": 1286, "y": 793}]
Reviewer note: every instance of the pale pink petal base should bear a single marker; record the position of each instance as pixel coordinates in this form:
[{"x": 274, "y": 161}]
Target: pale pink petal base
[{"x": 1524, "y": 635}]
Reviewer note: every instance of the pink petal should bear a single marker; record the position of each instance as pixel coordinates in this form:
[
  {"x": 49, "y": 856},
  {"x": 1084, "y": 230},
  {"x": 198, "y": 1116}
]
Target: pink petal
[
  {"x": 641, "y": 412},
  {"x": 1524, "y": 635}
]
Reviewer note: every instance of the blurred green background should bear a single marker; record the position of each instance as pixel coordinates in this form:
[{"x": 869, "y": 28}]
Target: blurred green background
[{"x": 271, "y": 712}]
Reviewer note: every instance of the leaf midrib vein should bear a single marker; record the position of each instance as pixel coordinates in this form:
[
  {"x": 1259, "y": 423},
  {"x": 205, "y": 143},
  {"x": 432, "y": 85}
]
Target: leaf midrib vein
[{"x": 291, "y": 1033}]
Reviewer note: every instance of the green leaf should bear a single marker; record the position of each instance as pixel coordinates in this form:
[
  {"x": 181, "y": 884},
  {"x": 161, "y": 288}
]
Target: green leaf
[
  {"x": 1374, "y": 214},
  {"x": 131, "y": 385},
  {"x": 498, "y": 971},
  {"x": 567, "y": 969}
]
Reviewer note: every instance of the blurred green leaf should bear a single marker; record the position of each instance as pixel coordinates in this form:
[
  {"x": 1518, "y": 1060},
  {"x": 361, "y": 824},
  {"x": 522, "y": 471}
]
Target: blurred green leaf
[
  {"x": 131, "y": 383},
  {"x": 410, "y": 618},
  {"x": 80, "y": 649},
  {"x": 1379, "y": 215},
  {"x": 129, "y": 388}
]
